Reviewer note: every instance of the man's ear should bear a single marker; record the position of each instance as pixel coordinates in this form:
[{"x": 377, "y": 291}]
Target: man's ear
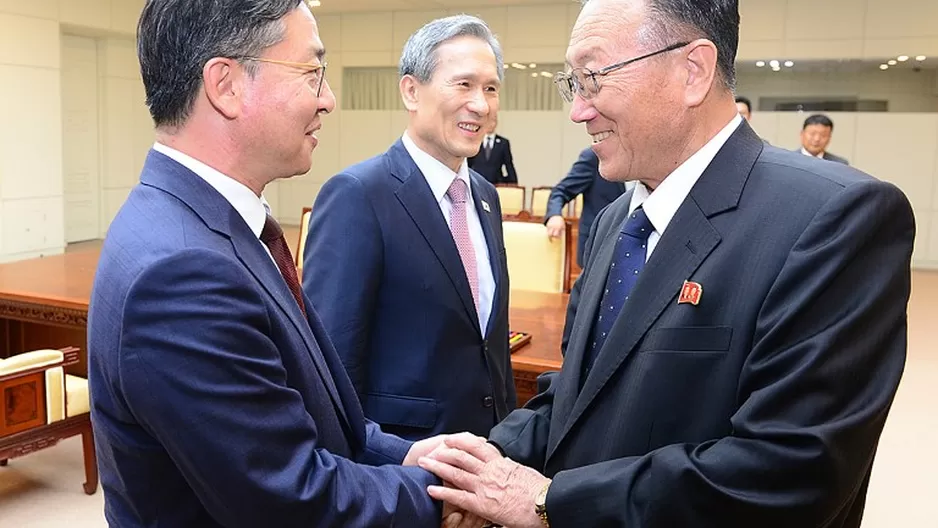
[
  {"x": 223, "y": 81},
  {"x": 410, "y": 92},
  {"x": 701, "y": 71}
]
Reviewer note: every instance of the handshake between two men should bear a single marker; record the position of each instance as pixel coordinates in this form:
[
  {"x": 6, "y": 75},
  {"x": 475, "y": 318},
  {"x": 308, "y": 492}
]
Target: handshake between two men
[{"x": 482, "y": 487}]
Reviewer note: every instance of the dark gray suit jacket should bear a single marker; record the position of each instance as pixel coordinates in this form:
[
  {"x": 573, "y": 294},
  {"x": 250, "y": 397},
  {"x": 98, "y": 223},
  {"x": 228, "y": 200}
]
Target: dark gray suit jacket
[{"x": 763, "y": 404}]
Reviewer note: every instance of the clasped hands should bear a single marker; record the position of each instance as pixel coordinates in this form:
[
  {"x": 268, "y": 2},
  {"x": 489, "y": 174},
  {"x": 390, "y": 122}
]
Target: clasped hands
[{"x": 482, "y": 488}]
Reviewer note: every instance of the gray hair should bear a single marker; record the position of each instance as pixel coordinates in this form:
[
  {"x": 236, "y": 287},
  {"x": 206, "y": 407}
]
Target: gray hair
[{"x": 419, "y": 58}]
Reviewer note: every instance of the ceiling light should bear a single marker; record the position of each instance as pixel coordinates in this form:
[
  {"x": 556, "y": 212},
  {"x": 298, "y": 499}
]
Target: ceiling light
[
  {"x": 891, "y": 63},
  {"x": 884, "y": 66},
  {"x": 903, "y": 58},
  {"x": 534, "y": 74},
  {"x": 505, "y": 66},
  {"x": 920, "y": 58},
  {"x": 532, "y": 65},
  {"x": 546, "y": 74},
  {"x": 314, "y": 3},
  {"x": 760, "y": 64},
  {"x": 789, "y": 64},
  {"x": 518, "y": 65},
  {"x": 773, "y": 63}
]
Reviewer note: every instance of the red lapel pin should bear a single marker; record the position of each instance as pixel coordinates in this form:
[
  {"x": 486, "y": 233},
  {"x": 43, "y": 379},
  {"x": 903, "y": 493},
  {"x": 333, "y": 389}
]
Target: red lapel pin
[{"x": 691, "y": 293}]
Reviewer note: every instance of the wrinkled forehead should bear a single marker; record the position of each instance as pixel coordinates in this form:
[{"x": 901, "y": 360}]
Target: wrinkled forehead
[{"x": 605, "y": 28}]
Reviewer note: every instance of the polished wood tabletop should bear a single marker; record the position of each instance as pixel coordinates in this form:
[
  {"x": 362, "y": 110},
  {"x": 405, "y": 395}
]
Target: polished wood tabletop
[
  {"x": 65, "y": 281},
  {"x": 59, "y": 280},
  {"x": 541, "y": 315}
]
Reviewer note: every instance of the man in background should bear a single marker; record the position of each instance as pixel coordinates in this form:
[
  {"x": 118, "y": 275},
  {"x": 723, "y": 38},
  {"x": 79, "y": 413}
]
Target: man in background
[
  {"x": 597, "y": 192},
  {"x": 744, "y": 106},
  {"x": 816, "y": 135},
  {"x": 494, "y": 161},
  {"x": 405, "y": 254}
]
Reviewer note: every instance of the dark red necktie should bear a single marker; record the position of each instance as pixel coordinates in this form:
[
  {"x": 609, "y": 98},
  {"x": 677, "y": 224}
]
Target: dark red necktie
[{"x": 272, "y": 236}]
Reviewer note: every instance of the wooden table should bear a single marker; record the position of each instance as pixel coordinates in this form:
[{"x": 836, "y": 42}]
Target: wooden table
[
  {"x": 44, "y": 304},
  {"x": 541, "y": 315}
]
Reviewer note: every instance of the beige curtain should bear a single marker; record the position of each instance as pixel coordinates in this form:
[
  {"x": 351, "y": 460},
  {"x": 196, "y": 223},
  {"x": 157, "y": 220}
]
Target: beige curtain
[{"x": 377, "y": 89}]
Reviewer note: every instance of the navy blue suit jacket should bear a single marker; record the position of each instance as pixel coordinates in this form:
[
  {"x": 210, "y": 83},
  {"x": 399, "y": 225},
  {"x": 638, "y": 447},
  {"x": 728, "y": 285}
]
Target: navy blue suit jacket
[
  {"x": 215, "y": 402},
  {"x": 597, "y": 192},
  {"x": 382, "y": 268},
  {"x": 762, "y": 404},
  {"x": 490, "y": 167}
]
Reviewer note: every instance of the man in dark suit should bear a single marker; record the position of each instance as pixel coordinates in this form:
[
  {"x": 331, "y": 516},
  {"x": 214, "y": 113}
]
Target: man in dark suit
[
  {"x": 405, "y": 255},
  {"x": 217, "y": 398},
  {"x": 597, "y": 192},
  {"x": 738, "y": 335},
  {"x": 816, "y": 135},
  {"x": 494, "y": 161}
]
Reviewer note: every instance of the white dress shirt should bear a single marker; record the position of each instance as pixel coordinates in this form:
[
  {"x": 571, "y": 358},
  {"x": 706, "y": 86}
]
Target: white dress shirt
[
  {"x": 252, "y": 208},
  {"x": 661, "y": 204},
  {"x": 818, "y": 155},
  {"x": 440, "y": 177},
  {"x": 489, "y": 141}
]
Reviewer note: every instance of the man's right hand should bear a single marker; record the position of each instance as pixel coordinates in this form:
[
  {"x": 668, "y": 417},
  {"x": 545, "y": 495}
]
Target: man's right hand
[{"x": 555, "y": 226}]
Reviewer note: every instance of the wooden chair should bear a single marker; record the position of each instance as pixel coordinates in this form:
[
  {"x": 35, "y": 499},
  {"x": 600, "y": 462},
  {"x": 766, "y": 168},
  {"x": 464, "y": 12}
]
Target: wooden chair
[
  {"x": 511, "y": 197},
  {"x": 304, "y": 230},
  {"x": 539, "y": 198},
  {"x": 40, "y": 405},
  {"x": 535, "y": 261},
  {"x": 575, "y": 208}
]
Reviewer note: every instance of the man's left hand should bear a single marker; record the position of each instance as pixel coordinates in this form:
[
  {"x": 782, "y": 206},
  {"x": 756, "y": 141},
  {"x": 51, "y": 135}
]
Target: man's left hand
[
  {"x": 490, "y": 485},
  {"x": 423, "y": 448}
]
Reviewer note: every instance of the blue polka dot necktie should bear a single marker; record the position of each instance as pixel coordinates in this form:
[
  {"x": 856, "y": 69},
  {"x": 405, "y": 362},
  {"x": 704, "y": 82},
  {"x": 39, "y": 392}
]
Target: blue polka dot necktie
[{"x": 627, "y": 262}]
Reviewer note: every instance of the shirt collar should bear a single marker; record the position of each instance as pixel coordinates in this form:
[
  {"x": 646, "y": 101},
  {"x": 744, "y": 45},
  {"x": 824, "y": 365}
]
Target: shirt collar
[
  {"x": 662, "y": 204},
  {"x": 806, "y": 153},
  {"x": 253, "y": 209},
  {"x": 438, "y": 176}
]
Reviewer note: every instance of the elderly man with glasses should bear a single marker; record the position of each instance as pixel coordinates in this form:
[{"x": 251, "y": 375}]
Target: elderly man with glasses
[{"x": 735, "y": 342}]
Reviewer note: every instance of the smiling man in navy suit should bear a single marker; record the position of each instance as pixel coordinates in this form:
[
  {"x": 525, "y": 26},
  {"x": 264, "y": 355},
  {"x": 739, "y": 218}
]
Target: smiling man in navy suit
[
  {"x": 738, "y": 334},
  {"x": 217, "y": 398},
  {"x": 405, "y": 256}
]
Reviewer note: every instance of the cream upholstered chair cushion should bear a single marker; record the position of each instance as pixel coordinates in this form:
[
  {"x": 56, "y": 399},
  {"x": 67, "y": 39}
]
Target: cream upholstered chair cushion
[
  {"x": 511, "y": 199},
  {"x": 77, "y": 390},
  {"x": 29, "y": 360},
  {"x": 535, "y": 262},
  {"x": 539, "y": 197}
]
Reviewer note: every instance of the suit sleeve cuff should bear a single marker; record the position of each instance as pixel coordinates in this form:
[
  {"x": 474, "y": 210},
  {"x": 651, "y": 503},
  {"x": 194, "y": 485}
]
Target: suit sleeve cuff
[{"x": 382, "y": 448}]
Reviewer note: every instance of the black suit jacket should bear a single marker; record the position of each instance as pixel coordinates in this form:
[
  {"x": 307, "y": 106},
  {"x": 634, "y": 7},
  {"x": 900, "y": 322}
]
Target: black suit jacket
[
  {"x": 490, "y": 167},
  {"x": 584, "y": 179},
  {"x": 382, "y": 269},
  {"x": 763, "y": 404}
]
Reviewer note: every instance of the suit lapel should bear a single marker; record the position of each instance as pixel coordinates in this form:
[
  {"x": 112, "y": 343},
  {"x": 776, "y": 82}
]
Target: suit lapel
[
  {"x": 486, "y": 217},
  {"x": 587, "y": 306},
  {"x": 415, "y": 195},
  {"x": 258, "y": 262},
  {"x": 162, "y": 172},
  {"x": 688, "y": 240}
]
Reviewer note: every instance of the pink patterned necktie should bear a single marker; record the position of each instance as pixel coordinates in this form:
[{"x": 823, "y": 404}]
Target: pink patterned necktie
[{"x": 459, "y": 225}]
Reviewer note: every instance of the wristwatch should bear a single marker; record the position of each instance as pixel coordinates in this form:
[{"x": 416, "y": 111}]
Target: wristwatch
[{"x": 540, "y": 505}]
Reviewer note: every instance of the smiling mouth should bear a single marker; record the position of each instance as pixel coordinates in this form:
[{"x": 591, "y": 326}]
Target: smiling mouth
[
  {"x": 598, "y": 137},
  {"x": 469, "y": 127}
]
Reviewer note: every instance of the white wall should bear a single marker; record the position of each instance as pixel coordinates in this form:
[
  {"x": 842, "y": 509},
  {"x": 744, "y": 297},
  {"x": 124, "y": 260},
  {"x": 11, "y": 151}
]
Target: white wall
[
  {"x": 906, "y": 91},
  {"x": 545, "y": 143}
]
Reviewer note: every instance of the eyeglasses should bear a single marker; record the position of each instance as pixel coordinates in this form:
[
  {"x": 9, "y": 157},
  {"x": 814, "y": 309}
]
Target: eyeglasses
[
  {"x": 318, "y": 70},
  {"x": 585, "y": 82}
]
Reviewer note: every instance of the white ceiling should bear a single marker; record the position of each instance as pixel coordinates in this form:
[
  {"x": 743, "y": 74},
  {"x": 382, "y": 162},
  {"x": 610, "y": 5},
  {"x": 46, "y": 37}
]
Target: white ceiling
[{"x": 345, "y": 6}]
